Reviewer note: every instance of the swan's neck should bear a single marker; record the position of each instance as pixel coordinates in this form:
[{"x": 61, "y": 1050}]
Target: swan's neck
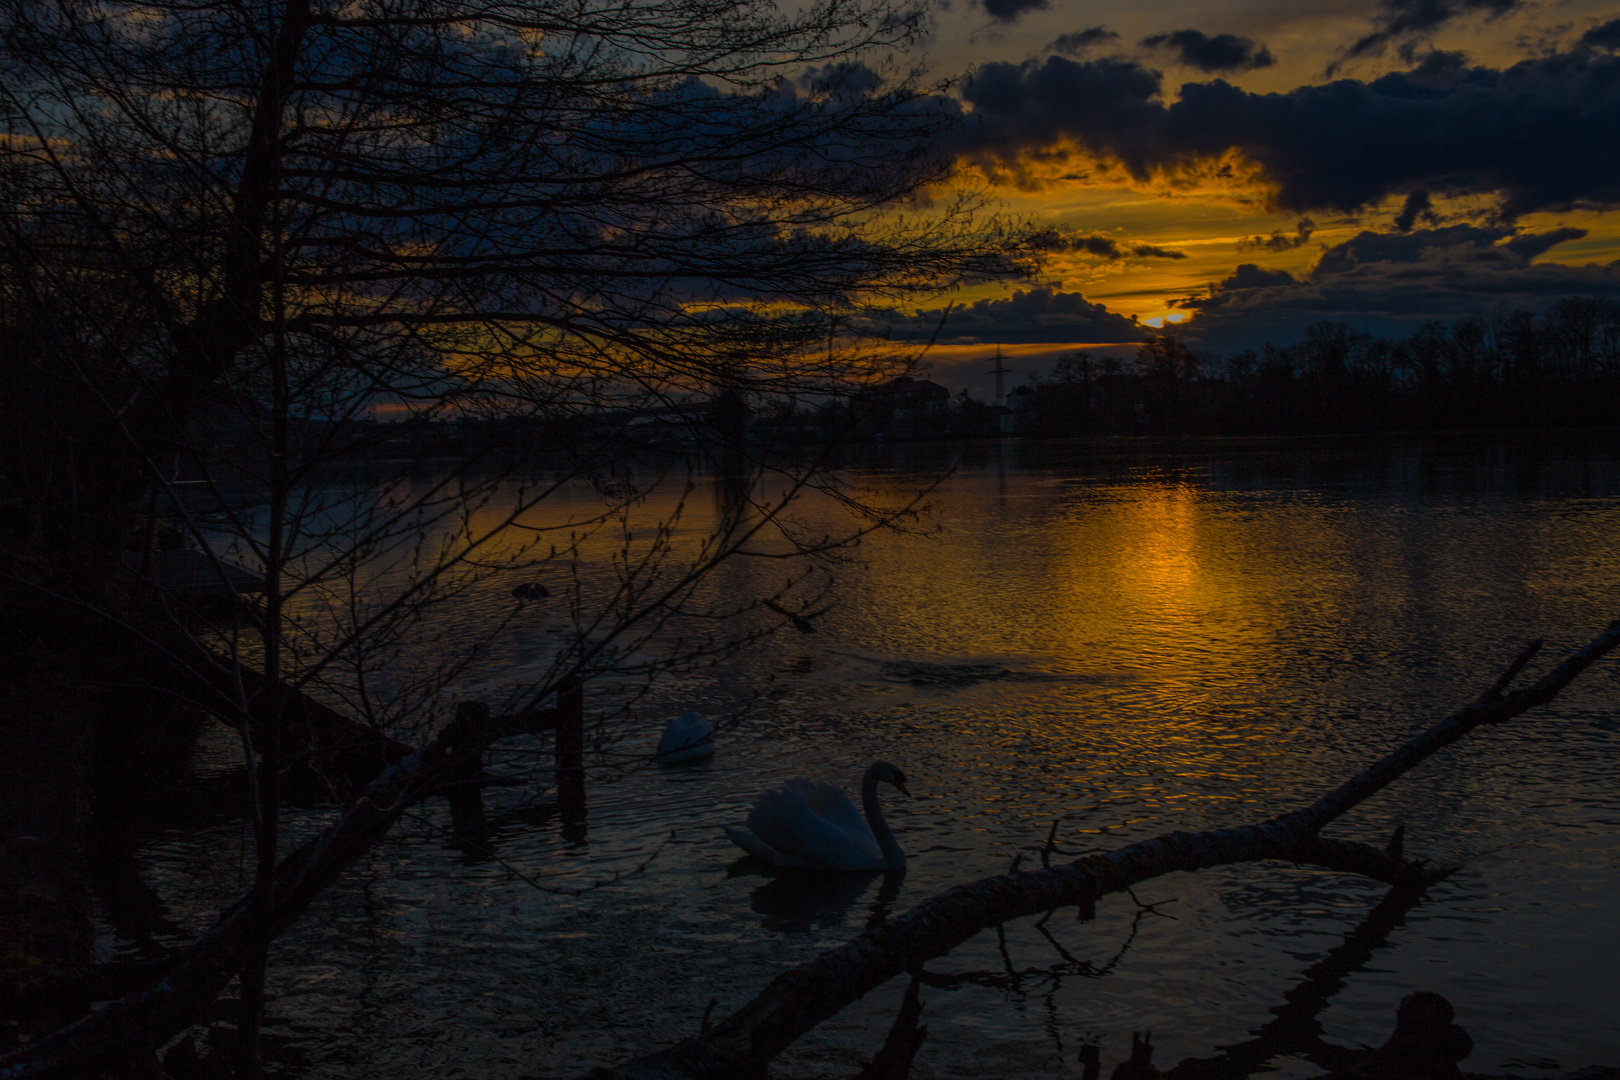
[{"x": 893, "y": 857}]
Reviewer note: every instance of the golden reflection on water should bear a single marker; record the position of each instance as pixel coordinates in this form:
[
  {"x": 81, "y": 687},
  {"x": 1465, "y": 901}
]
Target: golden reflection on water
[{"x": 1157, "y": 556}]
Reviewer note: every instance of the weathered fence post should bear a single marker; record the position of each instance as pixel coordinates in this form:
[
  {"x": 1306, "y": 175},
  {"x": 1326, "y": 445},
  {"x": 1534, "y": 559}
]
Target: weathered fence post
[
  {"x": 465, "y": 795},
  {"x": 571, "y": 756}
]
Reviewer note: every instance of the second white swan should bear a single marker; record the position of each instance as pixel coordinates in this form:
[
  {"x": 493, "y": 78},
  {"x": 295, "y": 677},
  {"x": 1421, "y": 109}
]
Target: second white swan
[
  {"x": 812, "y": 825},
  {"x": 688, "y": 737}
]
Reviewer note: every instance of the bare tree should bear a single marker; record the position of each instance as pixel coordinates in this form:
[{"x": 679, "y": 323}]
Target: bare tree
[{"x": 281, "y": 216}]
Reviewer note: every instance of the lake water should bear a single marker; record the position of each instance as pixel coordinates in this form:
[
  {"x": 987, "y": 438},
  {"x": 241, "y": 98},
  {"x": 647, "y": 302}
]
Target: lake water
[{"x": 1128, "y": 638}]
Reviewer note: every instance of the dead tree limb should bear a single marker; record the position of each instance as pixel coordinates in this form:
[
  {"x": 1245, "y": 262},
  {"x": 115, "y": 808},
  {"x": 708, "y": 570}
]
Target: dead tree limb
[
  {"x": 1343, "y": 856},
  {"x": 798, "y": 1000}
]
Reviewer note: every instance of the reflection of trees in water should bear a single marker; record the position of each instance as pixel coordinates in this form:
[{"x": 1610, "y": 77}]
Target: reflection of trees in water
[{"x": 1295, "y": 1030}]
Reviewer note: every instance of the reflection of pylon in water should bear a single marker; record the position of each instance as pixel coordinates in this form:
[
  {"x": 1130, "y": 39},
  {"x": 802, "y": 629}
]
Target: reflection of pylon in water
[{"x": 999, "y": 370}]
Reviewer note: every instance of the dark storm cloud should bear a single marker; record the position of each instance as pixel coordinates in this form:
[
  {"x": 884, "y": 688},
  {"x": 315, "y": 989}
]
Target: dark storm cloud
[
  {"x": 1009, "y": 10},
  {"x": 1279, "y": 240},
  {"x": 1034, "y": 316},
  {"x": 1106, "y": 247},
  {"x": 1467, "y": 241},
  {"x": 1606, "y": 36},
  {"x": 1250, "y": 276},
  {"x": 1245, "y": 281},
  {"x": 1153, "y": 251},
  {"x": 1542, "y": 134},
  {"x": 1529, "y": 245},
  {"x": 1417, "y": 205},
  {"x": 1380, "y": 281},
  {"x": 1405, "y": 20},
  {"x": 1223, "y": 52},
  {"x": 1390, "y": 282},
  {"x": 846, "y": 81},
  {"x": 1020, "y": 109},
  {"x": 1078, "y": 42}
]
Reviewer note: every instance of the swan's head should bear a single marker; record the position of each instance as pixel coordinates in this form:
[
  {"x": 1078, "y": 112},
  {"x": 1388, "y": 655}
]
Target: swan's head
[{"x": 887, "y": 773}]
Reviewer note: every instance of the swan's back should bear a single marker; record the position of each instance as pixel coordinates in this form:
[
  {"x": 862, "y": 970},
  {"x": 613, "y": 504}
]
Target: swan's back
[
  {"x": 689, "y": 736},
  {"x": 814, "y": 825},
  {"x": 830, "y": 801}
]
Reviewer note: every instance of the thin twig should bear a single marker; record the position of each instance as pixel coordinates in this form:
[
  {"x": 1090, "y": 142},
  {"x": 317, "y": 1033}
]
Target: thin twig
[{"x": 1049, "y": 846}]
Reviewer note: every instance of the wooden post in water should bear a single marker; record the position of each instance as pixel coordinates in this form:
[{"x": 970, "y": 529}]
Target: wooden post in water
[
  {"x": 465, "y": 795},
  {"x": 571, "y": 756}
]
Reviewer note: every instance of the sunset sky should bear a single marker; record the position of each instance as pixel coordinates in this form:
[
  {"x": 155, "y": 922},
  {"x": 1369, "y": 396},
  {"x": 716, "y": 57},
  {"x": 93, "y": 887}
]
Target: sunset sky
[{"x": 1245, "y": 169}]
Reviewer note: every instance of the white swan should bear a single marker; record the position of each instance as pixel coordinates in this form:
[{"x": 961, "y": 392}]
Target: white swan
[
  {"x": 688, "y": 737},
  {"x": 811, "y": 825}
]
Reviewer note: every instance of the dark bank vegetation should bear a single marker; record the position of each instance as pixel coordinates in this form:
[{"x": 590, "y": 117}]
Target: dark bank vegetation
[{"x": 1559, "y": 368}]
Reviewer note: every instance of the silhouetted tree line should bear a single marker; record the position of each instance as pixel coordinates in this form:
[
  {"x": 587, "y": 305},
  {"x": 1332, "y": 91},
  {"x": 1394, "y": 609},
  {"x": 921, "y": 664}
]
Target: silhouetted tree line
[{"x": 1561, "y": 367}]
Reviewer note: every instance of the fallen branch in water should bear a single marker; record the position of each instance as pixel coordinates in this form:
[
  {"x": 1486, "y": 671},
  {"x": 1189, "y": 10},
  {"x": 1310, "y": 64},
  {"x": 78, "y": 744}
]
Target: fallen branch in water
[
  {"x": 1009, "y": 980},
  {"x": 798, "y": 1000}
]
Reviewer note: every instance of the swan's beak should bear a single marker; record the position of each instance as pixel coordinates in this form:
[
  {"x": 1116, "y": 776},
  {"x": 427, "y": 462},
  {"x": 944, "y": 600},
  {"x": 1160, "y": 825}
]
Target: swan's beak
[{"x": 901, "y": 784}]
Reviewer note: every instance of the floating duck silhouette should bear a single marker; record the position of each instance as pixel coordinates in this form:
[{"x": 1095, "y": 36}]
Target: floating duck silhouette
[{"x": 531, "y": 591}]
